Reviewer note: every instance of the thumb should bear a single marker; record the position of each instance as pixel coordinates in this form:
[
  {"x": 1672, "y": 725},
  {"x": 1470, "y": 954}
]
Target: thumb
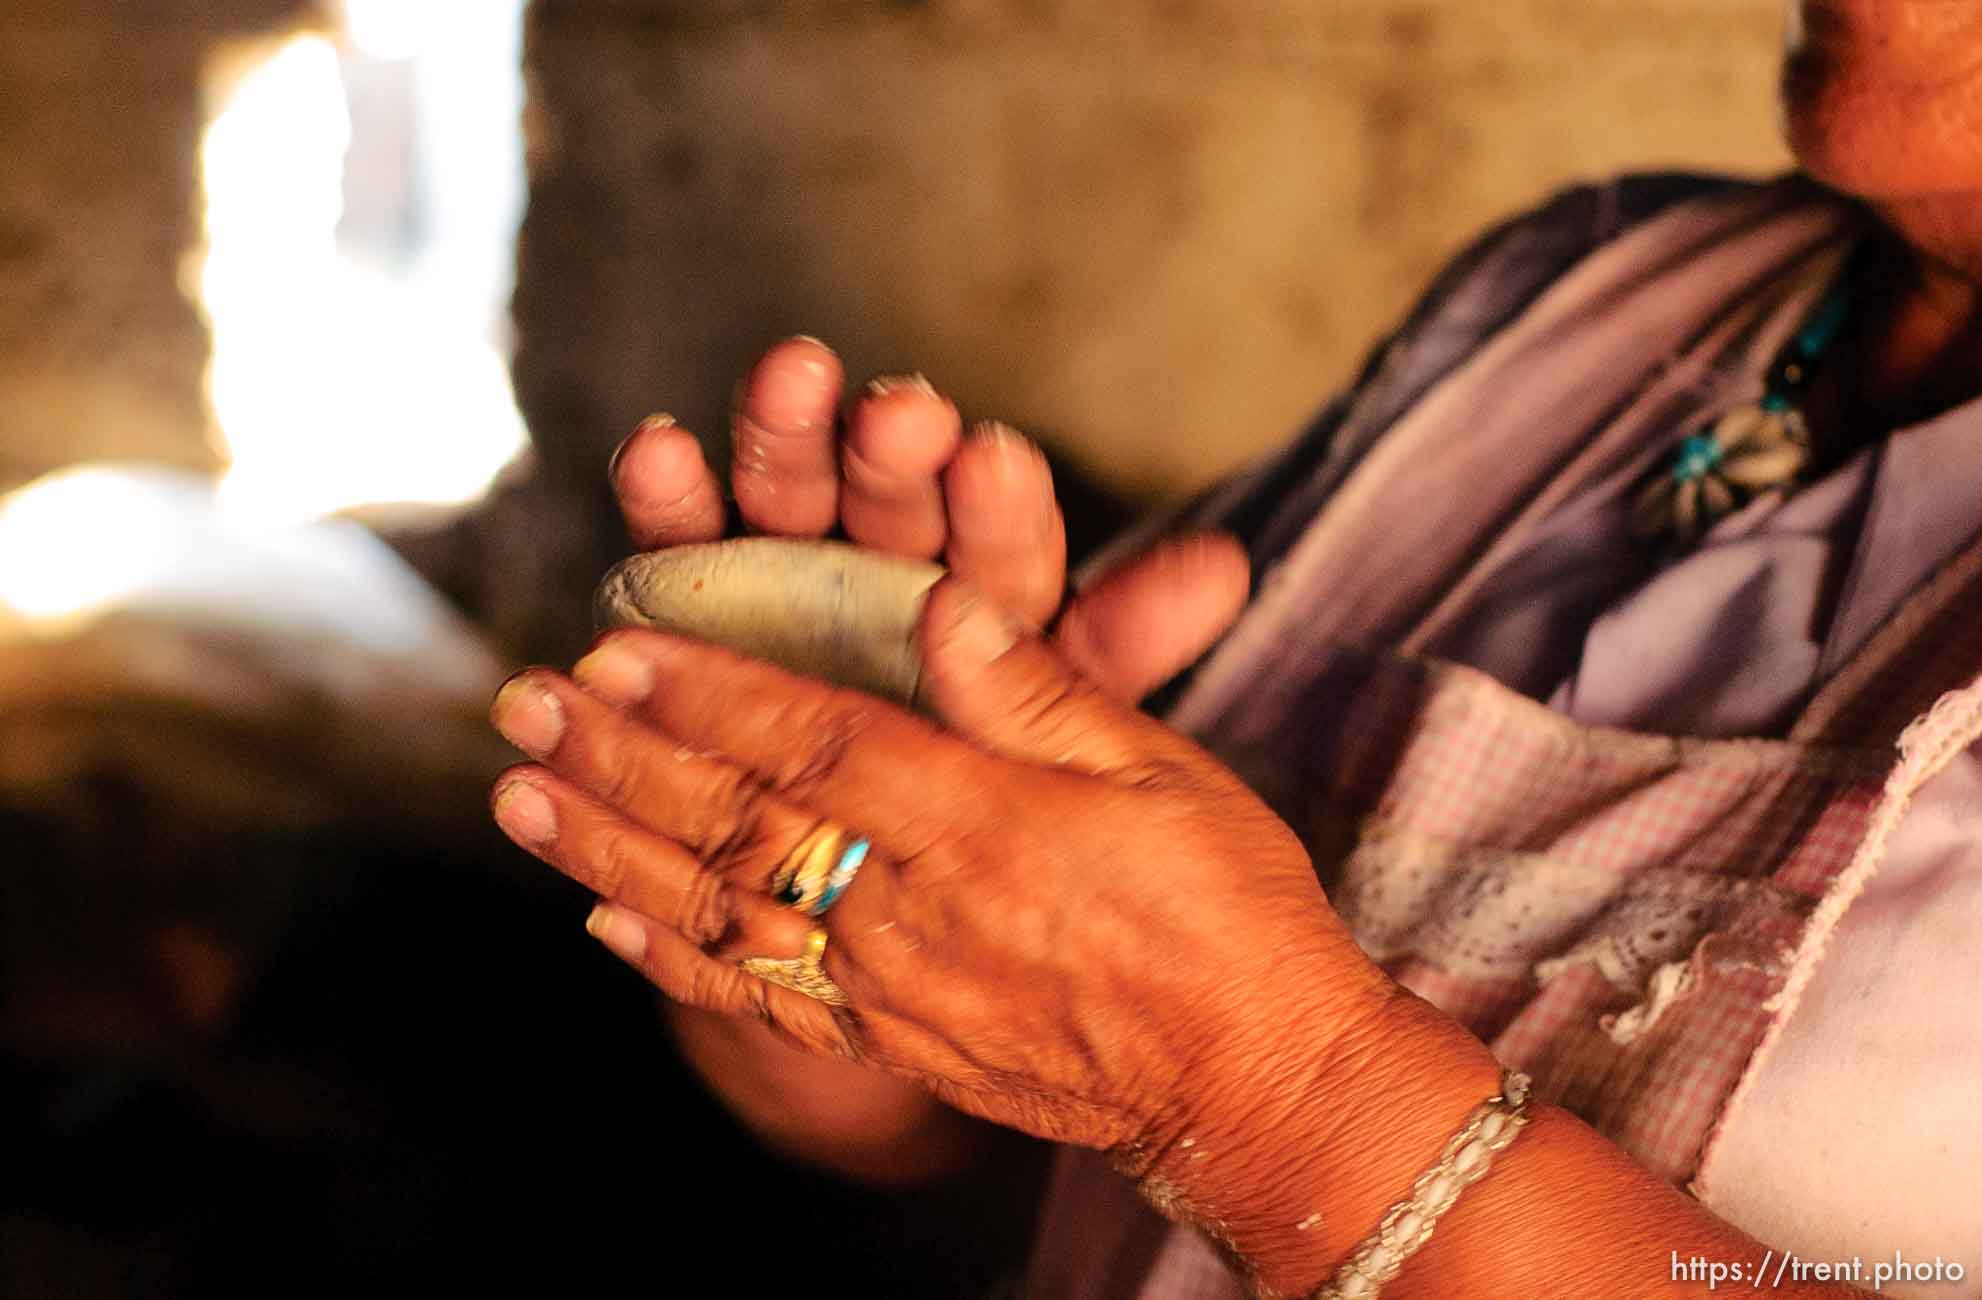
[
  {"x": 1146, "y": 620},
  {"x": 990, "y": 679}
]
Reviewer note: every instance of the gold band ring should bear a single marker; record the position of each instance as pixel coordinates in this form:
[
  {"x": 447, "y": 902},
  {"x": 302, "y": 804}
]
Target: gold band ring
[
  {"x": 818, "y": 869},
  {"x": 805, "y": 973}
]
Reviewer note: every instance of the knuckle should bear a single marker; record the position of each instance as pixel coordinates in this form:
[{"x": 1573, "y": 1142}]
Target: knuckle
[
  {"x": 704, "y": 985},
  {"x": 932, "y": 844},
  {"x": 703, "y": 915},
  {"x": 752, "y": 466},
  {"x": 732, "y": 822},
  {"x": 612, "y": 864},
  {"x": 619, "y": 781},
  {"x": 831, "y": 730},
  {"x": 757, "y": 1002},
  {"x": 1156, "y": 774},
  {"x": 1047, "y": 698},
  {"x": 678, "y": 511},
  {"x": 846, "y": 1041},
  {"x": 772, "y": 447}
]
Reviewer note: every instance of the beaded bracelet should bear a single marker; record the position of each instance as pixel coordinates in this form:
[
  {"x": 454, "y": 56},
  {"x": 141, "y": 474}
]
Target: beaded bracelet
[{"x": 1407, "y": 1227}]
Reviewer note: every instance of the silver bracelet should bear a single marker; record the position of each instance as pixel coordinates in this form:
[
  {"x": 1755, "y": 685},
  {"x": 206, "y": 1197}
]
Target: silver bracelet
[{"x": 1407, "y": 1227}]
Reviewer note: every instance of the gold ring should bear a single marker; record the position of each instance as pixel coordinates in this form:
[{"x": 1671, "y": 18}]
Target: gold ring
[
  {"x": 805, "y": 973},
  {"x": 801, "y": 876},
  {"x": 818, "y": 869}
]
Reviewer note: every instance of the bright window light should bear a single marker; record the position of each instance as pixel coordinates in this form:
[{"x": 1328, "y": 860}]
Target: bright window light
[
  {"x": 397, "y": 29},
  {"x": 85, "y": 542},
  {"x": 348, "y": 375},
  {"x": 67, "y": 543},
  {"x": 355, "y": 361}
]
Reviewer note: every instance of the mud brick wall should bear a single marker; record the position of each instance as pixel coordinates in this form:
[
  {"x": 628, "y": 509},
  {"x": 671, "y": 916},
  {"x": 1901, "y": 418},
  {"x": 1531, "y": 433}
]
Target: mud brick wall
[{"x": 1157, "y": 232}]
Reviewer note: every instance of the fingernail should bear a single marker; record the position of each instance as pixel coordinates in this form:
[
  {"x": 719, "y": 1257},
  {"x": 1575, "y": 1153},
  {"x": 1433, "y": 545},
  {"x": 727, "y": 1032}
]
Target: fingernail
[
  {"x": 818, "y": 367},
  {"x": 1016, "y": 453},
  {"x": 616, "y": 673},
  {"x": 624, "y": 936},
  {"x": 884, "y": 385},
  {"x": 660, "y": 421},
  {"x": 978, "y": 628},
  {"x": 1018, "y": 459},
  {"x": 525, "y": 814},
  {"x": 529, "y": 717}
]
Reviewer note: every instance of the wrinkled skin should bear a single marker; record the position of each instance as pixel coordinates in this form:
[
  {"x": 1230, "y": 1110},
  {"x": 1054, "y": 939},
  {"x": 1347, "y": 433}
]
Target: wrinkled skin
[
  {"x": 1025, "y": 851},
  {"x": 1070, "y": 913}
]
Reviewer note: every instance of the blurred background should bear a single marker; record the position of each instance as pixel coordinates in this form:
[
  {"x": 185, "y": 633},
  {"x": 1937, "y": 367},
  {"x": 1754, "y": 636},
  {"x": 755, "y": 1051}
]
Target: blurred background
[{"x": 318, "y": 322}]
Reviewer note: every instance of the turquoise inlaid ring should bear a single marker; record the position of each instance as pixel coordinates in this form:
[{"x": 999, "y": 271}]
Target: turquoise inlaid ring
[
  {"x": 841, "y": 876},
  {"x": 1698, "y": 457}
]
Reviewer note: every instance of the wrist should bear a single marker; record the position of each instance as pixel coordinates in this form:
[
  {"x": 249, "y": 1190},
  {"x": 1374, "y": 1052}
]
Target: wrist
[{"x": 1317, "y": 1133}]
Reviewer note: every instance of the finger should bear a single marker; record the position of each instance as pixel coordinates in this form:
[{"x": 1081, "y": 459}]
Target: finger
[
  {"x": 693, "y": 978},
  {"x": 1142, "y": 623},
  {"x": 620, "y": 860},
  {"x": 785, "y": 465},
  {"x": 665, "y": 489},
  {"x": 875, "y": 769},
  {"x": 993, "y": 681},
  {"x": 899, "y": 436},
  {"x": 715, "y": 811},
  {"x": 1006, "y": 533}
]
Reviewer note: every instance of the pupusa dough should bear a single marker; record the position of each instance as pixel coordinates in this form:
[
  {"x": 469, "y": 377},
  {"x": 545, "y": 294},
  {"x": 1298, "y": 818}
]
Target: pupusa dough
[{"x": 825, "y": 609}]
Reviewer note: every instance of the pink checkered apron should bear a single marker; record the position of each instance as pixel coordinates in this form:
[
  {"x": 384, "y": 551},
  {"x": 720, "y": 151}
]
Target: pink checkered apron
[{"x": 1627, "y": 916}]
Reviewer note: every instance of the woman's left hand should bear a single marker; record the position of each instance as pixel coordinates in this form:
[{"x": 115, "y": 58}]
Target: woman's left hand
[{"x": 1072, "y": 921}]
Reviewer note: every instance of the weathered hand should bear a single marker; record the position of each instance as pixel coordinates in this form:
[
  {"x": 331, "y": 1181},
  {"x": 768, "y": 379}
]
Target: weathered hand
[
  {"x": 1071, "y": 920},
  {"x": 899, "y": 474}
]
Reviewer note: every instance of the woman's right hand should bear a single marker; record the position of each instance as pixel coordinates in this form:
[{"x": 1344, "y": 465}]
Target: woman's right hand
[{"x": 897, "y": 472}]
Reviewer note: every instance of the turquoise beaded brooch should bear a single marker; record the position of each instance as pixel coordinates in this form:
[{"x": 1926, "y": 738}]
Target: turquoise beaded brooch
[{"x": 1748, "y": 451}]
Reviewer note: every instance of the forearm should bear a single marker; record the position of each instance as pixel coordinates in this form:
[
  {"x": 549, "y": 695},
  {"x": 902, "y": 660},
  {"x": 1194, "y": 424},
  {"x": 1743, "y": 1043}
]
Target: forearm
[
  {"x": 1562, "y": 1211},
  {"x": 852, "y": 1119}
]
